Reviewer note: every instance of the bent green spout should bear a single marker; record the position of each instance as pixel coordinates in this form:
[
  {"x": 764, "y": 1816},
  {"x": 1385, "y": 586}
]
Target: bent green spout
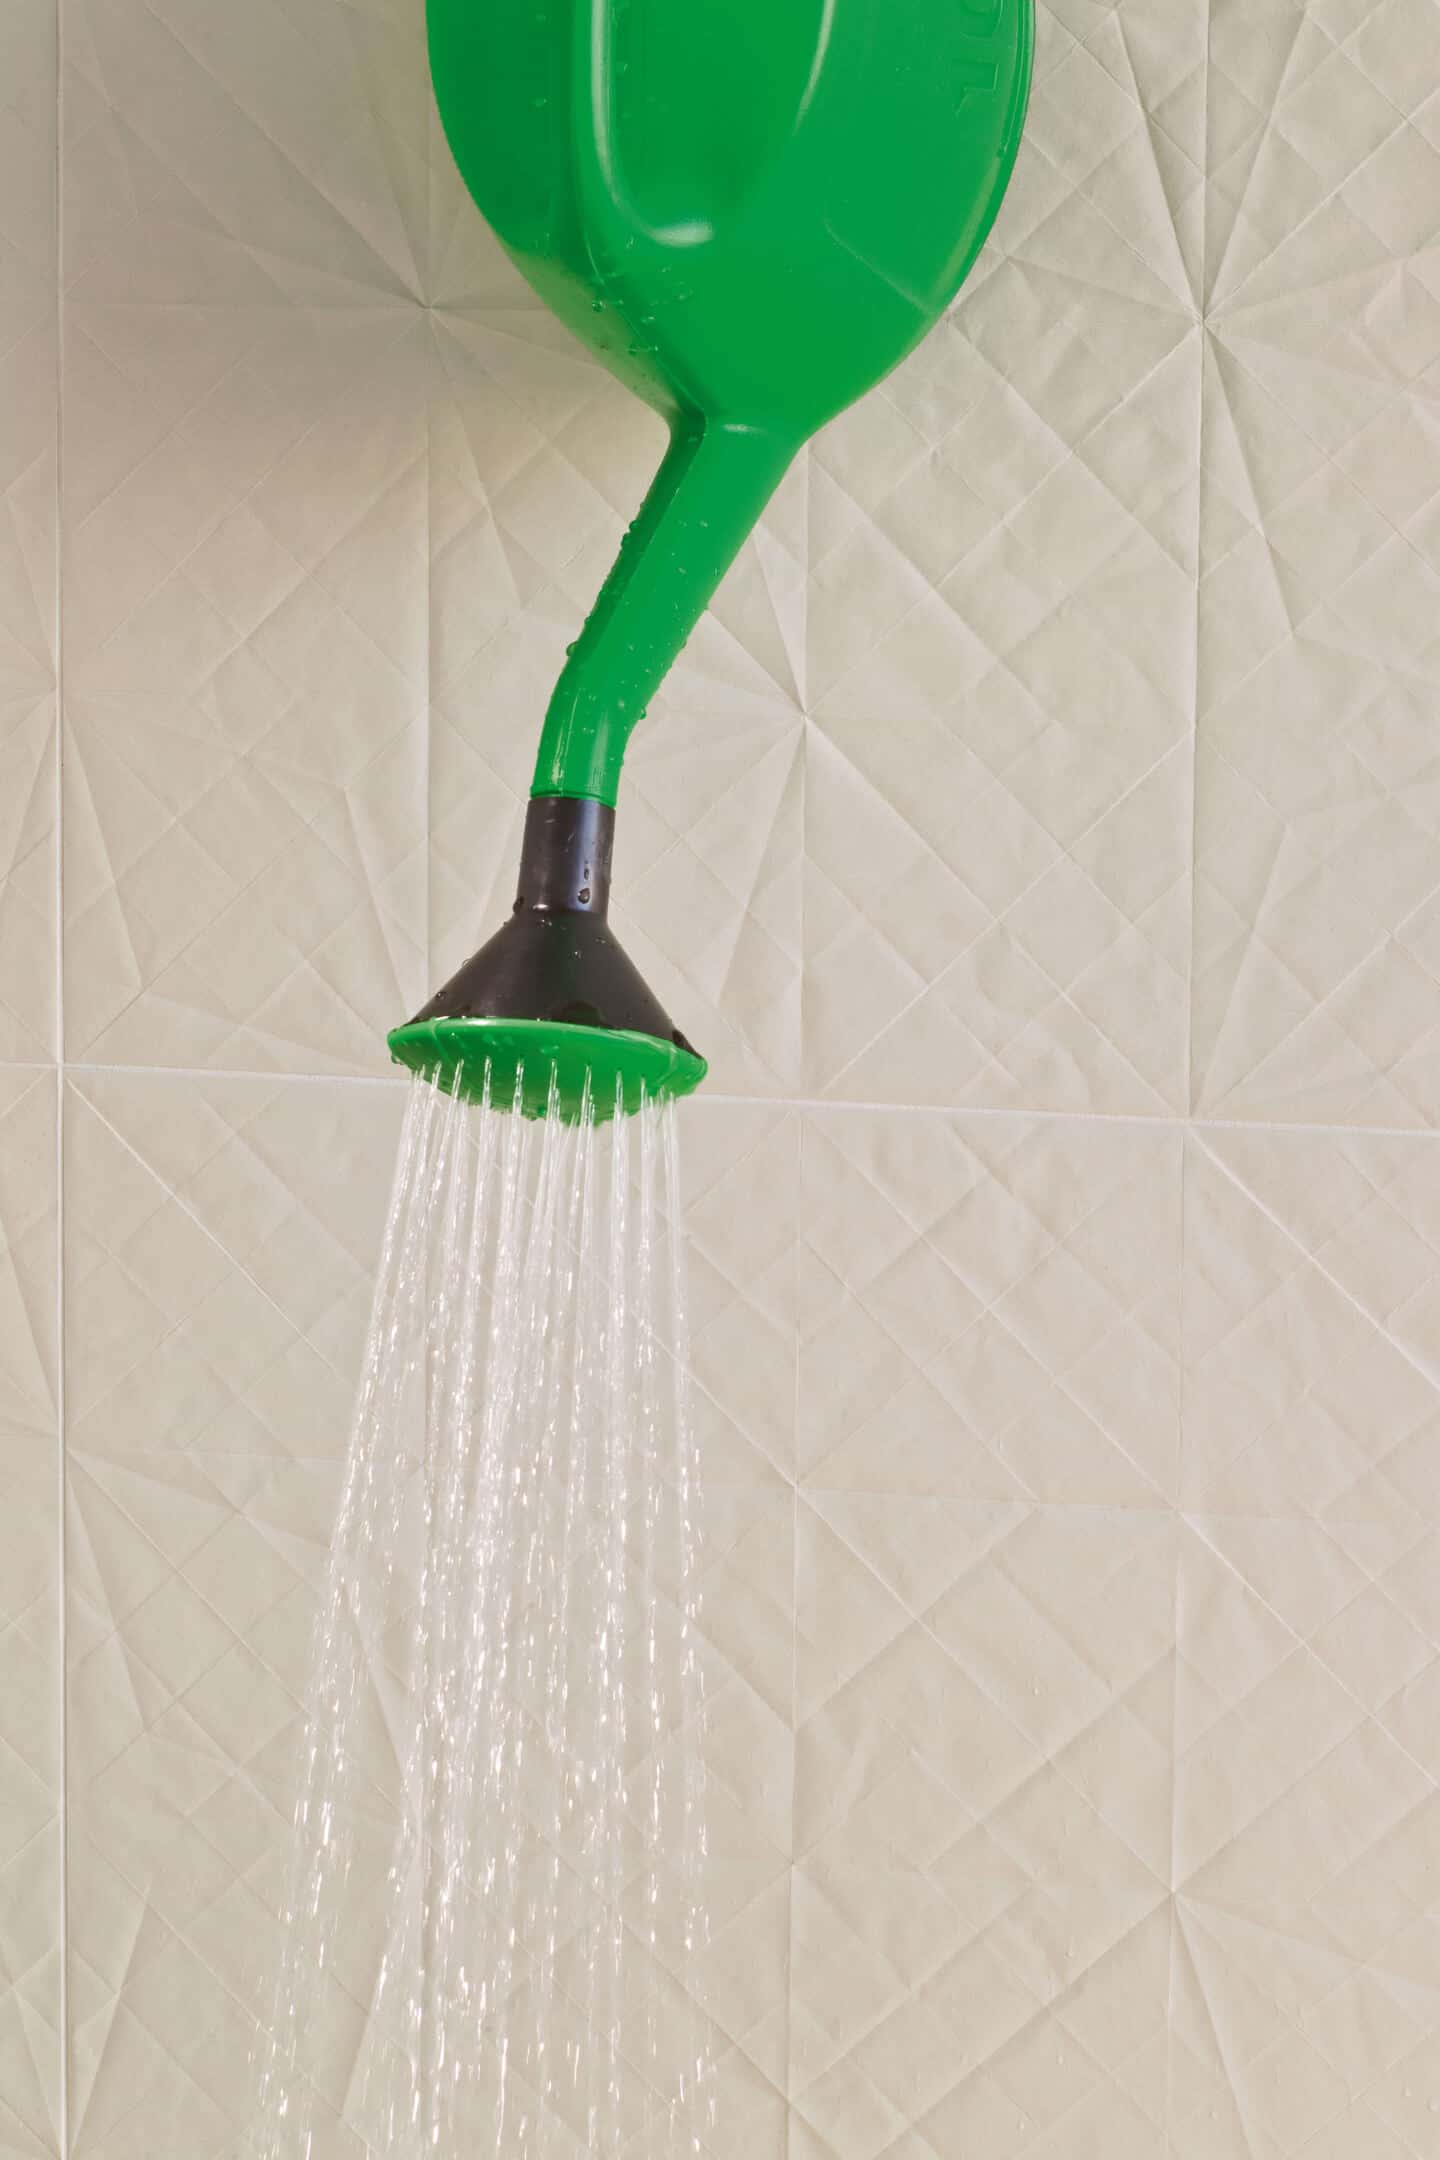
[
  {"x": 749, "y": 210},
  {"x": 716, "y": 479}
]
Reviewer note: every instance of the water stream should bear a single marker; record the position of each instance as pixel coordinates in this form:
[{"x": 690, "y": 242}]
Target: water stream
[{"x": 496, "y": 1906}]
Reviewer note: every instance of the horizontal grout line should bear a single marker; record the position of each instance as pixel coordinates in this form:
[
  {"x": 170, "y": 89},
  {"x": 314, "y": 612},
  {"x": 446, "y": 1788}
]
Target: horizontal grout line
[
  {"x": 1163, "y": 1121},
  {"x": 396, "y": 1079},
  {"x": 1154, "y": 1121}
]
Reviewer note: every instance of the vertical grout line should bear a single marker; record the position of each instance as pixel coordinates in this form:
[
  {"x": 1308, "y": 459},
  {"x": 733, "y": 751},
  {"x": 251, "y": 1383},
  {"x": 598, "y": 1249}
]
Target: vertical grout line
[
  {"x": 1189, "y": 1090},
  {"x": 1201, "y": 308},
  {"x": 802, "y": 1057},
  {"x": 803, "y": 1068},
  {"x": 61, "y": 1477},
  {"x": 62, "y": 1629},
  {"x": 431, "y": 378},
  {"x": 1177, "y": 1564},
  {"x": 794, "y": 1652},
  {"x": 427, "y": 754},
  {"x": 1191, "y": 1105},
  {"x": 802, "y": 1074}
]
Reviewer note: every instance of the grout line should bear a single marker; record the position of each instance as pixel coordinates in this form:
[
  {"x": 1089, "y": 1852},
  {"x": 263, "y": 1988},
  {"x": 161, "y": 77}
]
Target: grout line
[
  {"x": 61, "y": 1460},
  {"x": 89, "y": 1066},
  {"x": 433, "y": 373},
  {"x": 806, "y": 747},
  {"x": 1146, "y": 1121},
  {"x": 1190, "y": 1090},
  {"x": 844, "y": 1105},
  {"x": 1191, "y": 1093},
  {"x": 790, "y": 2078}
]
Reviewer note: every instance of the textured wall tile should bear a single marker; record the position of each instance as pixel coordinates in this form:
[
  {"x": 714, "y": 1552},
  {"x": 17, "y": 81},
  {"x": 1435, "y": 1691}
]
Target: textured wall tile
[
  {"x": 983, "y": 1812},
  {"x": 219, "y": 1242},
  {"x": 1317, "y": 895},
  {"x": 27, "y": 529},
  {"x": 989, "y": 1310},
  {"x": 1306, "y": 1706},
  {"x": 30, "y": 1683},
  {"x": 1311, "y": 1335},
  {"x": 741, "y": 1181},
  {"x": 985, "y": 1612},
  {"x": 1000, "y": 635},
  {"x": 244, "y": 522},
  {"x": 742, "y": 1167}
]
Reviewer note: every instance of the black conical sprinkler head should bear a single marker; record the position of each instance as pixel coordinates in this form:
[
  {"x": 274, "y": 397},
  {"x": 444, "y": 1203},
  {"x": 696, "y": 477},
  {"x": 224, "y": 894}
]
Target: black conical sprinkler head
[{"x": 552, "y": 1011}]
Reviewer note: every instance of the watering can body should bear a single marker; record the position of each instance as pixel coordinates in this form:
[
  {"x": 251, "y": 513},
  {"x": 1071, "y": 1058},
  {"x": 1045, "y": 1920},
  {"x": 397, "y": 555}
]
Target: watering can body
[{"x": 750, "y": 211}]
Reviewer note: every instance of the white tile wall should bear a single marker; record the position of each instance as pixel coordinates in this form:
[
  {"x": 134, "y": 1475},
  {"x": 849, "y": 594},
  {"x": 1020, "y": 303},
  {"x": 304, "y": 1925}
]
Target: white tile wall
[{"x": 1041, "y": 837}]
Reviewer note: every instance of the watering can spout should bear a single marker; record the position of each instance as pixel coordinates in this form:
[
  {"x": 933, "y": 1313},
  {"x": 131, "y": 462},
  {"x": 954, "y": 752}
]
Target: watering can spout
[{"x": 714, "y": 482}]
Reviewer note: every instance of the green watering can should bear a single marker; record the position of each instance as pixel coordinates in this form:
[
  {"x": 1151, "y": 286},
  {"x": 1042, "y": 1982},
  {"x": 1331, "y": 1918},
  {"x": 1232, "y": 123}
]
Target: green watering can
[{"x": 750, "y": 211}]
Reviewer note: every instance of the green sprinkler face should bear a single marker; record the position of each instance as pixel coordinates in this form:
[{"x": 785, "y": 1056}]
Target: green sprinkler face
[
  {"x": 547, "y": 1068},
  {"x": 750, "y": 213}
]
